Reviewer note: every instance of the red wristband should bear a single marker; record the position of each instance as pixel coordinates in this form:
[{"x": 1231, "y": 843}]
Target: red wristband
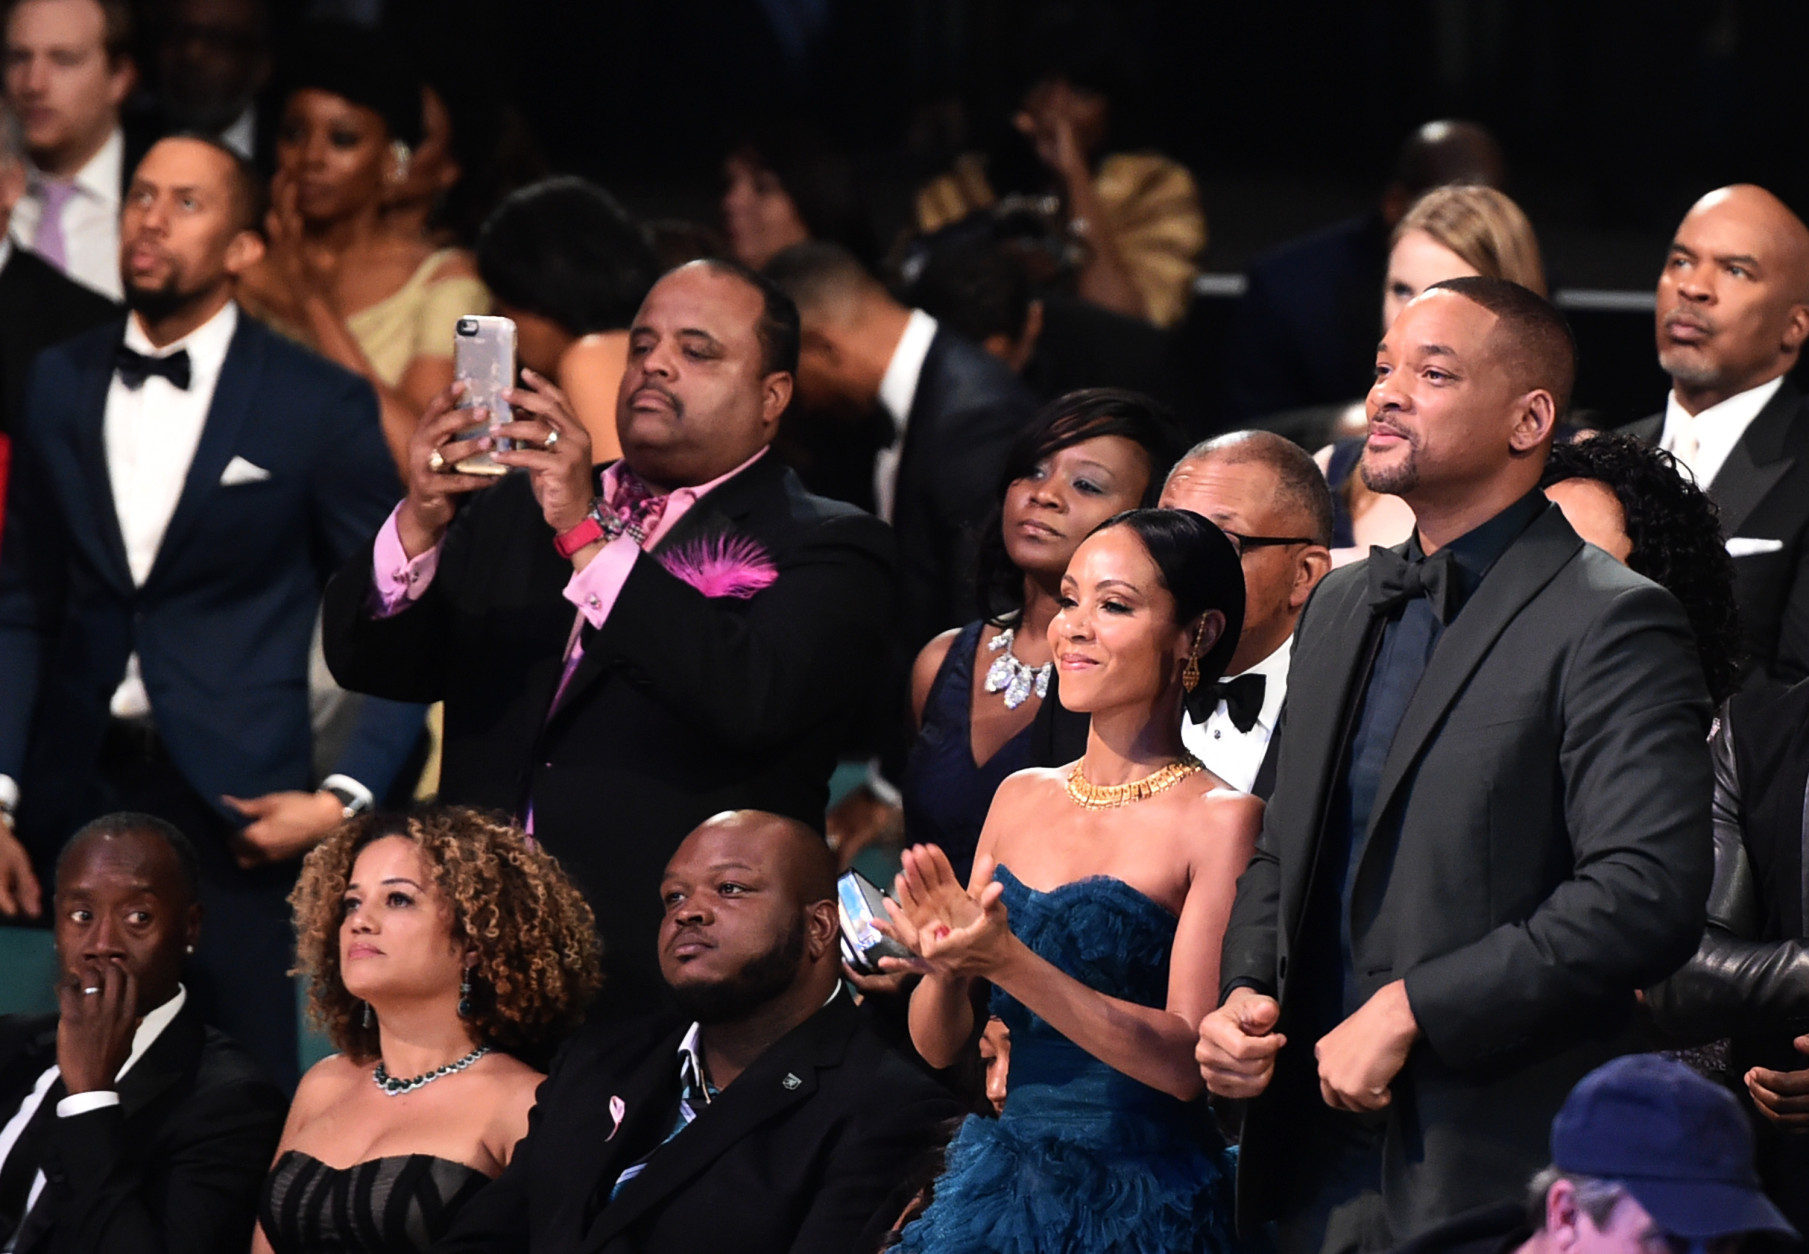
[{"x": 587, "y": 532}]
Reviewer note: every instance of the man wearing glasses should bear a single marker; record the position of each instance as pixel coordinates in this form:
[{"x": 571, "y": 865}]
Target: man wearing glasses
[{"x": 1268, "y": 497}]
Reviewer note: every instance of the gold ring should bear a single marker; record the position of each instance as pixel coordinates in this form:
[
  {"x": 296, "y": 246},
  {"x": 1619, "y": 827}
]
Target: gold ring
[{"x": 435, "y": 462}]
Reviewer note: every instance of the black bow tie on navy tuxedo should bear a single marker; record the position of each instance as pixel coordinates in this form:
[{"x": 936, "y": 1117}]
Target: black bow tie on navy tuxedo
[
  {"x": 1393, "y": 580},
  {"x": 134, "y": 368},
  {"x": 1243, "y": 698}
]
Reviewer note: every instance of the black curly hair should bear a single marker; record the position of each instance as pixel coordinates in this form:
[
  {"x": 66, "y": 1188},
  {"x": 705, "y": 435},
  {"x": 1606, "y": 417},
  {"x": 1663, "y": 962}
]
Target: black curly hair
[{"x": 1677, "y": 542}]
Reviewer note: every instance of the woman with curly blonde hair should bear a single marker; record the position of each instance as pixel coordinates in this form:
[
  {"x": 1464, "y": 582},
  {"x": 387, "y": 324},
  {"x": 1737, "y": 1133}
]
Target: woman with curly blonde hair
[{"x": 439, "y": 946}]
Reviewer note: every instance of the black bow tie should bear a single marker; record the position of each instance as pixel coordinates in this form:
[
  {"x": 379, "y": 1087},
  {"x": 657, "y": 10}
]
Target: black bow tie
[
  {"x": 134, "y": 368},
  {"x": 1243, "y": 698},
  {"x": 1393, "y": 580}
]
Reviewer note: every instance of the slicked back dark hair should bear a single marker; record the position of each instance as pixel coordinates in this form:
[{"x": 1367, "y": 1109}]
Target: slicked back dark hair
[
  {"x": 1677, "y": 543},
  {"x": 128, "y": 823},
  {"x": 1064, "y": 422},
  {"x": 1535, "y": 338},
  {"x": 1200, "y": 569},
  {"x": 778, "y": 329},
  {"x": 564, "y": 248}
]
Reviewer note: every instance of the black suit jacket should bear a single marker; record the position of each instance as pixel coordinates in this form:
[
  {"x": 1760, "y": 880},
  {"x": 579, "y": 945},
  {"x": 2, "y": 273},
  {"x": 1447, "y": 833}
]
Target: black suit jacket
[
  {"x": 1537, "y": 851},
  {"x": 223, "y": 621},
  {"x": 175, "y": 1167},
  {"x": 1763, "y": 493},
  {"x": 967, "y": 411},
  {"x": 38, "y": 307},
  {"x": 1749, "y": 979},
  {"x": 683, "y": 706},
  {"x": 816, "y": 1148},
  {"x": 1304, "y": 332}
]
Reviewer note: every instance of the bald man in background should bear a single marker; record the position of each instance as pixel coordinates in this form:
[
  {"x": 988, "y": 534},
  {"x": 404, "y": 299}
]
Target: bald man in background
[{"x": 1733, "y": 312}]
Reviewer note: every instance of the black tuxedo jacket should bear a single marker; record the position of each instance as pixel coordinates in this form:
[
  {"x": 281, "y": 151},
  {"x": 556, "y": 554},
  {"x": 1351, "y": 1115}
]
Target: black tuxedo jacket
[
  {"x": 38, "y": 307},
  {"x": 967, "y": 411},
  {"x": 814, "y": 1149},
  {"x": 175, "y": 1167},
  {"x": 1538, "y": 850},
  {"x": 683, "y": 706},
  {"x": 1763, "y": 493},
  {"x": 223, "y": 622}
]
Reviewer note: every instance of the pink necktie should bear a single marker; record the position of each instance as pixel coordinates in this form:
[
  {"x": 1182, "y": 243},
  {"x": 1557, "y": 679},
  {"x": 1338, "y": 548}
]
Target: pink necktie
[{"x": 49, "y": 242}]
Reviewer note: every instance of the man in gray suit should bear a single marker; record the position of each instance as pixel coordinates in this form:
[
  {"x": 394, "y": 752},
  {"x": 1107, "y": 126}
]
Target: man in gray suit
[{"x": 1490, "y": 820}]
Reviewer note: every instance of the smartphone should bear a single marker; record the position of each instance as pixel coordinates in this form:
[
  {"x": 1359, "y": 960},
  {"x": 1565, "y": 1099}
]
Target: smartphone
[
  {"x": 483, "y": 359},
  {"x": 859, "y": 902}
]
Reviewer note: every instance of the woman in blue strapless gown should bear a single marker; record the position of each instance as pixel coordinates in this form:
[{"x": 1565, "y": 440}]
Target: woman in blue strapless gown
[
  {"x": 438, "y": 947},
  {"x": 976, "y": 689},
  {"x": 1097, "y": 903}
]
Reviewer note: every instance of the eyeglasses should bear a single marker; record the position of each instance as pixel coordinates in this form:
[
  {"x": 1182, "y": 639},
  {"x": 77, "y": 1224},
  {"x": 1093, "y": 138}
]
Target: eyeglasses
[{"x": 1243, "y": 543}]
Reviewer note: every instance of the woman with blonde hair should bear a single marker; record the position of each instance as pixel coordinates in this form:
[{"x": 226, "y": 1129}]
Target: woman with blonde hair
[
  {"x": 440, "y": 948},
  {"x": 1449, "y": 233}
]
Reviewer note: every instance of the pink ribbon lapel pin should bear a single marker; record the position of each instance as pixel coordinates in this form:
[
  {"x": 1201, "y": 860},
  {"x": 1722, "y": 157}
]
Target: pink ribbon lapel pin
[{"x": 617, "y": 1108}]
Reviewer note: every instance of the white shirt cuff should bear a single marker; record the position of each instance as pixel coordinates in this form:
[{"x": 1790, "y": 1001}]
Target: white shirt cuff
[
  {"x": 9, "y": 793},
  {"x": 81, "y": 1103},
  {"x": 359, "y": 792}
]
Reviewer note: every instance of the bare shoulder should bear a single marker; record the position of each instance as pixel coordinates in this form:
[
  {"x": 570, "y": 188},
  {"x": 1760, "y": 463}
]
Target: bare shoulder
[
  {"x": 1233, "y": 819},
  {"x": 929, "y": 662},
  {"x": 327, "y": 1082},
  {"x": 1035, "y": 785}
]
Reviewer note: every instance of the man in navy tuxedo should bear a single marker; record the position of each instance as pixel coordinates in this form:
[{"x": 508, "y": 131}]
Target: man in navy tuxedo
[{"x": 186, "y": 481}]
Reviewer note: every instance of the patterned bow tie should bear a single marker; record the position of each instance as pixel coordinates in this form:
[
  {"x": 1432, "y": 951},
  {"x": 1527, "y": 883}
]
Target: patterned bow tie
[
  {"x": 134, "y": 368},
  {"x": 1393, "y": 580},
  {"x": 636, "y": 506},
  {"x": 1243, "y": 698}
]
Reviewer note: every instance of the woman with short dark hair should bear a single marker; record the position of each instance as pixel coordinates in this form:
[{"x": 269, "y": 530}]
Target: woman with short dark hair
[{"x": 570, "y": 267}]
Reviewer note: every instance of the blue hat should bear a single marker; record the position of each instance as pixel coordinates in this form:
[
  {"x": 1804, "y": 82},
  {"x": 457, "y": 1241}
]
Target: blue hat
[{"x": 1679, "y": 1144}]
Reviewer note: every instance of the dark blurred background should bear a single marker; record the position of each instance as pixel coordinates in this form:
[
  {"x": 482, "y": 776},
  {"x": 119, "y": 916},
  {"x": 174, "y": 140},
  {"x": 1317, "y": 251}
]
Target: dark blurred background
[{"x": 1614, "y": 114}]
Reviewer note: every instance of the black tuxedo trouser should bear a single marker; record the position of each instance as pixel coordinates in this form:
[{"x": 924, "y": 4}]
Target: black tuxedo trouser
[
  {"x": 1338, "y": 1208},
  {"x": 239, "y": 972}
]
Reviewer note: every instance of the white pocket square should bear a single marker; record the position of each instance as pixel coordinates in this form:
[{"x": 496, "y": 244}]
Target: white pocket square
[
  {"x": 1749, "y": 546},
  {"x": 238, "y": 471}
]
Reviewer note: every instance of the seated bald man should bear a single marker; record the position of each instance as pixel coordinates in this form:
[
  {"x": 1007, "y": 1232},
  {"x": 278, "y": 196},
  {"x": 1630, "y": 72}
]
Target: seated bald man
[
  {"x": 768, "y": 1118},
  {"x": 1733, "y": 312},
  {"x": 125, "y": 1124}
]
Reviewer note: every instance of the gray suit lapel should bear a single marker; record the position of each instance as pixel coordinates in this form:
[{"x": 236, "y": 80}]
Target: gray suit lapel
[
  {"x": 1327, "y": 667},
  {"x": 1742, "y": 483}
]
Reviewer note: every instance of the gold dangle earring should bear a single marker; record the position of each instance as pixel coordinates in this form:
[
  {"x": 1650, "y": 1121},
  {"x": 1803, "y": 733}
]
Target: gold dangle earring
[{"x": 1190, "y": 674}]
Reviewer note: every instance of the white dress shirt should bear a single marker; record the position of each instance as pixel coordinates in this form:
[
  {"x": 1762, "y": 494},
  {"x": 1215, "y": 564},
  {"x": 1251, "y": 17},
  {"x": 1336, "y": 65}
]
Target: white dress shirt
[
  {"x": 148, "y": 1030},
  {"x": 897, "y": 393},
  {"x": 151, "y": 434},
  {"x": 1714, "y": 431},
  {"x": 1232, "y": 755},
  {"x": 90, "y": 219}
]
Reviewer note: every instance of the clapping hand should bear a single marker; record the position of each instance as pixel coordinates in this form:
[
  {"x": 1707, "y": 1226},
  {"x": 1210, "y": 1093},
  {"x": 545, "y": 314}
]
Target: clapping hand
[{"x": 955, "y": 932}]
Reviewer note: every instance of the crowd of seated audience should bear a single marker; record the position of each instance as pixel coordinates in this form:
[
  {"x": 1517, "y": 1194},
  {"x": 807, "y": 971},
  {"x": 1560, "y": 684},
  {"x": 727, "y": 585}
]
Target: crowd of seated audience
[{"x": 1330, "y": 818}]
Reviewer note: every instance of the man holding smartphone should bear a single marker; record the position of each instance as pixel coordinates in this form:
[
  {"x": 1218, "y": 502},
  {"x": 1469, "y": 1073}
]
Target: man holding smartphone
[{"x": 627, "y": 650}]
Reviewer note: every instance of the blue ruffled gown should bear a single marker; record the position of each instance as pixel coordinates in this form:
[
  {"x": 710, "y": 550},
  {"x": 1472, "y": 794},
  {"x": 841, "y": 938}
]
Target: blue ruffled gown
[{"x": 1084, "y": 1159}]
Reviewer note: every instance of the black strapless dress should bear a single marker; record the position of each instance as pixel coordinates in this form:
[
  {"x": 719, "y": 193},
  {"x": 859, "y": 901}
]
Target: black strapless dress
[{"x": 396, "y": 1205}]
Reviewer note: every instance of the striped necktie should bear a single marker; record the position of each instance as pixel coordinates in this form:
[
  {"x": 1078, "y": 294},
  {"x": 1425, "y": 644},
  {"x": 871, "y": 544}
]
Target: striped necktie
[{"x": 693, "y": 1097}]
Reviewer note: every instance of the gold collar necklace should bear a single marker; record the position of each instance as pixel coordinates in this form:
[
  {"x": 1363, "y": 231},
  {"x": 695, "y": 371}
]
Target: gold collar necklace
[{"x": 1090, "y": 796}]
